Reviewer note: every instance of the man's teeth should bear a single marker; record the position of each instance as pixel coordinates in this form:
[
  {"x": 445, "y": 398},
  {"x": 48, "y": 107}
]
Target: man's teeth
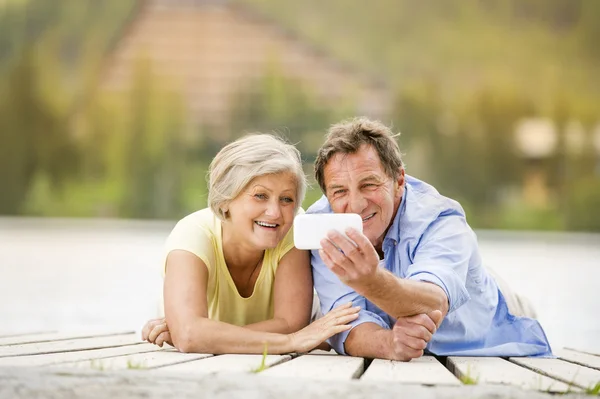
[
  {"x": 368, "y": 217},
  {"x": 265, "y": 224}
]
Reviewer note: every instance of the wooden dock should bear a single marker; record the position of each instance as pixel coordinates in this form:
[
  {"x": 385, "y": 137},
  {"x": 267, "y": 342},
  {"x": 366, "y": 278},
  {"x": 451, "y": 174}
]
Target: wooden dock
[{"x": 118, "y": 365}]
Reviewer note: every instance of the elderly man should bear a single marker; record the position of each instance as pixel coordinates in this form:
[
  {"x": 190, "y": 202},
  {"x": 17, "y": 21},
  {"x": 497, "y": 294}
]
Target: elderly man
[{"x": 415, "y": 270}]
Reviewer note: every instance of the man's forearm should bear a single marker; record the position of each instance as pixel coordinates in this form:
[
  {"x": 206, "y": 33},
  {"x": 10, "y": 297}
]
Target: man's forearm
[
  {"x": 402, "y": 297},
  {"x": 369, "y": 340}
]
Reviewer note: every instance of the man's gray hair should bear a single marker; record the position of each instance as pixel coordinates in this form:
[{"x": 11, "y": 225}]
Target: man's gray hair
[{"x": 251, "y": 156}]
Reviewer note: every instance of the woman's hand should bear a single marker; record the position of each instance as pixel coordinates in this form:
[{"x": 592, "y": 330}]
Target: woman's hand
[
  {"x": 332, "y": 323},
  {"x": 157, "y": 332}
]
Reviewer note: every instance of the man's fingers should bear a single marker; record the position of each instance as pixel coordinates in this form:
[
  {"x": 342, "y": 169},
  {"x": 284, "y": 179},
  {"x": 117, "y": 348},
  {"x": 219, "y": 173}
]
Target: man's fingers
[
  {"x": 362, "y": 242},
  {"x": 338, "y": 271},
  {"x": 349, "y": 249},
  {"x": 423, "y": 320},
  {"x": 419, "y": 332},
  {"x": 436, "y": 317},
  {"x": 333, "y": 252}
]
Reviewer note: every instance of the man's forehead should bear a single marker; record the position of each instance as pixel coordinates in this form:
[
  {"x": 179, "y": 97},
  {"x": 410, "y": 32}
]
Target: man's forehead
[{"x": 365, "y": 158}]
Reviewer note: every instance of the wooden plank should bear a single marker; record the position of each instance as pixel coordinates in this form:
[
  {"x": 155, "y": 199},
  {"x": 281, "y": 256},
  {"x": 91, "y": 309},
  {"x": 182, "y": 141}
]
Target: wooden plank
[
  {"x": 226, "y": 364},
  {"x": 583, "y": 377},
  {"x": 62, "y": 357},
  {"x": 56, "y": 336},
  {"x": 322, "y": 352},
  {"x": 494, "y": 370},
  {"x": 69, "y": 345},
  {"x": 319, "y": 367},
  {"x": 137, "y": 361},
  {"x": 588, "y": 351},
  {"x": 582, "y": 358},
  {"x": 12, "y": 334},
  {"x": 425, "y": 370}
]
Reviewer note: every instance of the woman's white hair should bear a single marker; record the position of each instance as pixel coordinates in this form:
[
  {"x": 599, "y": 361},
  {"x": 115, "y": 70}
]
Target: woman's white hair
[{"x": 251, "y": 156}]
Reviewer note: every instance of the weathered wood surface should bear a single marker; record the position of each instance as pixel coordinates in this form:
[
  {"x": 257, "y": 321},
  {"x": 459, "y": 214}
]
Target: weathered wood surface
[
  {"x": 153, "y": 384},
  {"x": 69, "y": 345},
  {"x": 494, "y": 370},
  {"x": 572, "y": 374},
  {"x": 73, "y": 356},
  {"x": 424, "y": 371},
  {"x": 54, "y": 336},
  {"x": 581, "y": 358},
  {"x": 120, "y": 365},
  {"x": 226, "y": 364},
  {"x": 319, "y": 367},
  {"x": 137, "y": 361}
]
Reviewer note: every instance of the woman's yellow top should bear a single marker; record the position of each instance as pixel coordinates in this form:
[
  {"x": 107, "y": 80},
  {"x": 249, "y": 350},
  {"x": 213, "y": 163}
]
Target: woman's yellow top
[{"x": 200, "y": 234}]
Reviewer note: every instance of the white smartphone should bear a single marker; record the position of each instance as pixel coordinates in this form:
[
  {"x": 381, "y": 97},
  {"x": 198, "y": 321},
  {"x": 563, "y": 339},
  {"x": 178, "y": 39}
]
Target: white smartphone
[{"x": 310, "y": 229}]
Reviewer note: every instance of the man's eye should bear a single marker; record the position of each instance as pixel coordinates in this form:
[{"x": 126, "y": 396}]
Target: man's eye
[{"x": 338, "y": 192}]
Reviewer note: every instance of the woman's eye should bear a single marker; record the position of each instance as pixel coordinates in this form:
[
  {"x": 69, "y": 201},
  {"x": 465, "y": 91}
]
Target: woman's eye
[
  {"x": 287, "y": 199},
  {"x": 260, "y": 196}
]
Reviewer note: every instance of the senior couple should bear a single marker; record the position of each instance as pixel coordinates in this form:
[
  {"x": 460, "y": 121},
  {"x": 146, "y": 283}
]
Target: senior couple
[{"x": 412, "y": 282}]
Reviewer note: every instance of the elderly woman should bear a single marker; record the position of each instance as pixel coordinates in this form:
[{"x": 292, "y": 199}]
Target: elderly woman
[{"x": 233, "y": 280}]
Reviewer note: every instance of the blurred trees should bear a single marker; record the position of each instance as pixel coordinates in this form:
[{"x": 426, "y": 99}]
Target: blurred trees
[{"x": 465, "y": 75}]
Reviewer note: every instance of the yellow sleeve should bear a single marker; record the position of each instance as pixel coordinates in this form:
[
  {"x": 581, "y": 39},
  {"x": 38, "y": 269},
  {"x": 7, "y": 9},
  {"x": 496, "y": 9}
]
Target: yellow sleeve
[{"x": 189, "y": 235}]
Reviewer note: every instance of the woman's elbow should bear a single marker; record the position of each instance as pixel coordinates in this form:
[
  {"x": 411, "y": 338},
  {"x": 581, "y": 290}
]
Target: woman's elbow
[{"x": 184, "y": 339}]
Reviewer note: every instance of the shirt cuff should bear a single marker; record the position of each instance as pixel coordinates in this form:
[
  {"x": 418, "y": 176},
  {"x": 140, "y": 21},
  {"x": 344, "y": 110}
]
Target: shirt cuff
[
  {"x": 457, "y": 296},
  {"x": 337, "y": 341}
]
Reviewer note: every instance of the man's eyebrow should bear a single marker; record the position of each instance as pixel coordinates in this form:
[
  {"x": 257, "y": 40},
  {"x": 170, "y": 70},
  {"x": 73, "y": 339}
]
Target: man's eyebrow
[
  {"x": 370, "y": 178},
  {"x": 334, "y": 186}
]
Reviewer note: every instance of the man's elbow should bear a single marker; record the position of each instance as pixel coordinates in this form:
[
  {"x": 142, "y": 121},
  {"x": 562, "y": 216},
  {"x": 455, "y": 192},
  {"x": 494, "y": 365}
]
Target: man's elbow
[{"x": 442, "y": 304}]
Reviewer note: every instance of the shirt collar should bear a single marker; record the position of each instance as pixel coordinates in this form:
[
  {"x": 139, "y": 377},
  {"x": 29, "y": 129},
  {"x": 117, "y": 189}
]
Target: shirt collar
[{"x": 393, "y": 234}]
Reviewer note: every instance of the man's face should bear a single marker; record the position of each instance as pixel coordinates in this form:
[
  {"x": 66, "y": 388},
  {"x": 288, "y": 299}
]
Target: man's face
[{"x": 357, "y": 183}]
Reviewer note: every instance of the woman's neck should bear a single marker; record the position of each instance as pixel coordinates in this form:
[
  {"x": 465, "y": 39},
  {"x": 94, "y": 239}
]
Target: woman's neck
[{"x": 237, "y": 253}]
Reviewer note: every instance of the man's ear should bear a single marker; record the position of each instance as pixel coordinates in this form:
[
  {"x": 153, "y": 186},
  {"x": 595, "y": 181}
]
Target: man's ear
[{"x": 400, "y": 179}]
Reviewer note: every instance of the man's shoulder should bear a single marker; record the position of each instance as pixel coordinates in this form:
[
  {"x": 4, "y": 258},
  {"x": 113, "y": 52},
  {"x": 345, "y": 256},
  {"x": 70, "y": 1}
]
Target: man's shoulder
[
  {"x": 320, "y": 206},
  {"x": 424, "y": 198}
]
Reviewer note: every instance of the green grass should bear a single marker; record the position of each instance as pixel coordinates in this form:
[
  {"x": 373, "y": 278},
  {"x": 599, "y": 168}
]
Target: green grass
[
  {"x": 263, "y": 362},
  {"x": 131, "y": 365},
  {"x": 468, "y": 379},
  {"x": 97, "y": 364},
  {"x": 595, "y": 390}
]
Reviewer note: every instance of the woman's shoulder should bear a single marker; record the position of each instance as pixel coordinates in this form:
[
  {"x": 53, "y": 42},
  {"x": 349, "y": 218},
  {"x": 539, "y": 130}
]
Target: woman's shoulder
[
  {"x": 196, "y": 233},
  {"x": 197, "y": 227},
  {"x": 202, "y": 220}
]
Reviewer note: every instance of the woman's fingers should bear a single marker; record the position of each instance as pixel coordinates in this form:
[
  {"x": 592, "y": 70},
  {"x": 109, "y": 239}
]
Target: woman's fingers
[
  {"x": 150, "y": 326},
  {"x": 164, "y": 337},
  {"x": 156, "y": 331}
]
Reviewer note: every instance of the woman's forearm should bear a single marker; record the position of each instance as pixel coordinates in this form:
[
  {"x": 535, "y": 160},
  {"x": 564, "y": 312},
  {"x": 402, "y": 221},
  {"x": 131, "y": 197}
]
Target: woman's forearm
[
  {"x": 203, "y": 335},
  {"x": 275, "y": 325}
]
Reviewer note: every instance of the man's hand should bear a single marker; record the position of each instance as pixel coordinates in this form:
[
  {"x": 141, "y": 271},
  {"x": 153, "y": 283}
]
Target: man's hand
[
  {"x": 410, "y": 335},
  {"x": 157, "y": 332},
  {"x": 355, "y": 264}
]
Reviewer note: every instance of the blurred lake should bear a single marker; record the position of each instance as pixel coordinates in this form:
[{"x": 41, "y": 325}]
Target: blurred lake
[{"x": 70, "y": 274}]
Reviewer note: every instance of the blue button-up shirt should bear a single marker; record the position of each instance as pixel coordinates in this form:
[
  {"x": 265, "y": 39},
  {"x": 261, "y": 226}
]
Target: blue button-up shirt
[{"x": 430, "y": 240}]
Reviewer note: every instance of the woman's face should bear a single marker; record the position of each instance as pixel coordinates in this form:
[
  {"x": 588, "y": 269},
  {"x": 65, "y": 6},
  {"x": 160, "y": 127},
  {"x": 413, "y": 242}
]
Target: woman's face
[{"x": 263, "y": 212}]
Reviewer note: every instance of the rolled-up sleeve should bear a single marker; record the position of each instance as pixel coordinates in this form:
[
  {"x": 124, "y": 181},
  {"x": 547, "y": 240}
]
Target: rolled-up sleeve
[
  {"x": 333, "y": 293},
  {"x": 442, "y": 257}
]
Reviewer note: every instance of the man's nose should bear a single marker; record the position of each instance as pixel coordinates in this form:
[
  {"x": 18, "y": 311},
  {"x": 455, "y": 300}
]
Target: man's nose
[{"x": 358, "y": 203}]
